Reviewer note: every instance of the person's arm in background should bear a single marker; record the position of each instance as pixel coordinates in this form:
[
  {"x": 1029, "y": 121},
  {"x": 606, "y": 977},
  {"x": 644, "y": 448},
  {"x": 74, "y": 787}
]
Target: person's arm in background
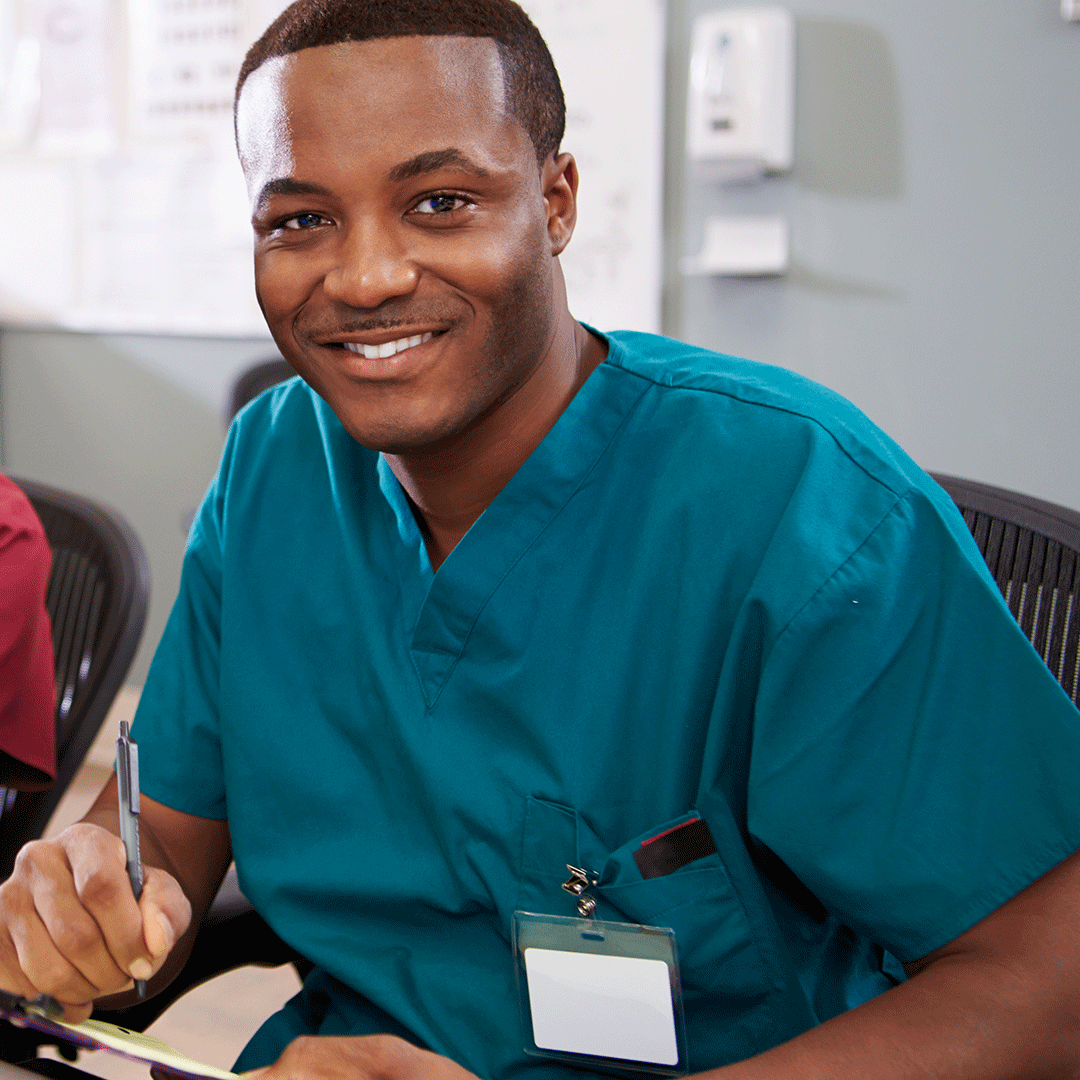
[
  {"x": 69, "y": 924},
  {"x": 27, "y": 724}
]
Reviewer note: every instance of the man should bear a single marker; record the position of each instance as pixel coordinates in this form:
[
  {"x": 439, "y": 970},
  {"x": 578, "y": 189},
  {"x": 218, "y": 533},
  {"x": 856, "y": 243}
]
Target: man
[
  {"x": 673, "y": 590},
  {"x": 27, "y": 710}
]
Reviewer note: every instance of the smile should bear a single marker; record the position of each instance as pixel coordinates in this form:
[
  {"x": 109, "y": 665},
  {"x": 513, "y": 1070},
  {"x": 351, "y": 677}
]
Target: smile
[{"x": 387, "y": 348}]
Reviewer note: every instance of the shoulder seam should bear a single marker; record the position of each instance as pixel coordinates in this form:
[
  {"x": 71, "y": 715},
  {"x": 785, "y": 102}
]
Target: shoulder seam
[{"x": 899, "y": 491}]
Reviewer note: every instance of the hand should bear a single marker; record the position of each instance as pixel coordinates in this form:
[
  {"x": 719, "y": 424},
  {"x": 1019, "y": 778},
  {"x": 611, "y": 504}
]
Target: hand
[
  {"x": 359, "y": 1057},
  {"x": 70, "y": 926}
]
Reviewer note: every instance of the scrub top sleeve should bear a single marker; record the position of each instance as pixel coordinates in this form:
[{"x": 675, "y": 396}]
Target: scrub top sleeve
[
  {"x": 177, "y": 722},
  {"x": 913, "y": 760}
]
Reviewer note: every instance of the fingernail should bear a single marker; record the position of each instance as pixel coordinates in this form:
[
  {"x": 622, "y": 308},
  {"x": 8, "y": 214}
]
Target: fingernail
[
  {"x": 141, "y": 969},
  {"x": 160, "y": 939}
]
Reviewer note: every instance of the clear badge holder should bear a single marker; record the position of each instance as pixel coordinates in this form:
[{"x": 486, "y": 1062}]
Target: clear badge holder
[{"x": 604, "y": 994}]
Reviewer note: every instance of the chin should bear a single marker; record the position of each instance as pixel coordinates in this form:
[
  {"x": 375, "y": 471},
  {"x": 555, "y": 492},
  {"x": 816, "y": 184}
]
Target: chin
[{"x": 397, "y": 439}]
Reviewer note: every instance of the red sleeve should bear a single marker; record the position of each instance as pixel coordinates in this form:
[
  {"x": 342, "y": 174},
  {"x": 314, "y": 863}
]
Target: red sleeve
[{"x": 27, "y": 710}]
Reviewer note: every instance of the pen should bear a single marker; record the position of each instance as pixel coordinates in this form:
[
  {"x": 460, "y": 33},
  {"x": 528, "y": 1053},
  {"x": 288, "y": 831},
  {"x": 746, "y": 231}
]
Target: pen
[{"x": 127, "y": 776}]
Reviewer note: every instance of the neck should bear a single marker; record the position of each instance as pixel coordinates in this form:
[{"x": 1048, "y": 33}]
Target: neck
[{"x": 452, "y": 484}]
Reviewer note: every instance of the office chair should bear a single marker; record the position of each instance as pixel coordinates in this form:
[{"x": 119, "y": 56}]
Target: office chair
[
  {"x": 97, "y": 595},
  {"x": 1032, "y": 548},
  {"x": 254, "y": 380}
]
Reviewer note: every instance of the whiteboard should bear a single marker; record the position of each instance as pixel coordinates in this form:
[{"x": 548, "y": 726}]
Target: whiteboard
[{"x": 126, "y": 206}]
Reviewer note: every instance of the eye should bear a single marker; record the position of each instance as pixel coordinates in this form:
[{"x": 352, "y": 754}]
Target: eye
[
  {"x": 303, "y": 221},
  {"x": 441, "y": 202}
]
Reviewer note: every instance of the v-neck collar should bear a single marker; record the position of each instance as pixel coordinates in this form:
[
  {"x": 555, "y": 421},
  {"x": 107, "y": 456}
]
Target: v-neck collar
[{"x": 440, "y": 609}]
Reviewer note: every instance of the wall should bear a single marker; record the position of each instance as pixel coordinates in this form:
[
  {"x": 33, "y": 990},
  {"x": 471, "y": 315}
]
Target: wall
[
  {"x": 935, "y": 225},
  {"x": 936, "y": 238},
  {"x": 136, "y": 422}
]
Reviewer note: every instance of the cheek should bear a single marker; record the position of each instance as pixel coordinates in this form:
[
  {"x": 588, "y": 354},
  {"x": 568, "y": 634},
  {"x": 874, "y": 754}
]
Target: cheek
[
  {"x": 485, "y": 262},
  {"x": 282, "y": 281}
]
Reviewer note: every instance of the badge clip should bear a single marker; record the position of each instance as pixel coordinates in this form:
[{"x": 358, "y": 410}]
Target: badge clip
[{"x": 578, "y": 884}]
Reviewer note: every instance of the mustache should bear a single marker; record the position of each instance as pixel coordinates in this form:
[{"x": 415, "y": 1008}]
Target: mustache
[{"x": 386, "y": 317}]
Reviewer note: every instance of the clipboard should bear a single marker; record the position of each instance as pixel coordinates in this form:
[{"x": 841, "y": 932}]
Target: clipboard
[{"x": 45, "y": 1014}]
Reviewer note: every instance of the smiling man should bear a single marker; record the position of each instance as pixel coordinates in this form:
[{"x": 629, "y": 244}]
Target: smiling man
[
  {"x": 406, "y": 229},
  {"x": 489, "y": 595}
]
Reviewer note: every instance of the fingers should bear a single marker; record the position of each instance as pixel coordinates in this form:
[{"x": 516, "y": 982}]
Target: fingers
[
  {"x": 364, "y": 1057},
  {"x": 71, "y": 927},
  {"x": 53, "y": 943},
  {"x": 99, "y": 928}
]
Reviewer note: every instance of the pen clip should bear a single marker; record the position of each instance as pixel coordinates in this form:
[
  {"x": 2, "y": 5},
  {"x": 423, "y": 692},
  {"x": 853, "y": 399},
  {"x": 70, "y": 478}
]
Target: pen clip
[{"x": 127, "y": 768}]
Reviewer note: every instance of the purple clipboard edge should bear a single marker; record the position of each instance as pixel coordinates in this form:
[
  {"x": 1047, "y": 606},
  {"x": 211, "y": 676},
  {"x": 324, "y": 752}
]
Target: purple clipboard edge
[{"x": 86, "y": 1041}]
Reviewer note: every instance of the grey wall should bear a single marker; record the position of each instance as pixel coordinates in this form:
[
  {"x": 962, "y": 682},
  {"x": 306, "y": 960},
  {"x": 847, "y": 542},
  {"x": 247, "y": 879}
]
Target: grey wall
[
  {"x": 935, "y": 222},
  {"x": 133, "y": 421},
  {"x": 935, "y": 217}
]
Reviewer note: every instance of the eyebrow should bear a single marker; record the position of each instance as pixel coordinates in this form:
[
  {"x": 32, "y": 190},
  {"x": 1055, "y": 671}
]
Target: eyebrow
[
  {"x": 432, "y": 161},
  {"x": 427, "y": 162},
  {"x": 284, "y": 185}
]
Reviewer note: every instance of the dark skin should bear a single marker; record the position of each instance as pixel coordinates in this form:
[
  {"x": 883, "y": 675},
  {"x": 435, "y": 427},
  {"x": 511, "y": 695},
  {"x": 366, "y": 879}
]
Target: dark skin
[
  {"x": 408, "y": 203},
  {"x": 351, "y": 153}
]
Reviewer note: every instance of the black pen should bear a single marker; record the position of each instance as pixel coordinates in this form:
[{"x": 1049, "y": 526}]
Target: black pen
[{"x": 127, "y": 777}]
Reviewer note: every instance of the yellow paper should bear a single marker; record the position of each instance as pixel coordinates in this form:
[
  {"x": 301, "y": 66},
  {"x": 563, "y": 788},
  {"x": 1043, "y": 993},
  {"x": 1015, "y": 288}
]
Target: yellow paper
[{"x": 96, "y": 1035}]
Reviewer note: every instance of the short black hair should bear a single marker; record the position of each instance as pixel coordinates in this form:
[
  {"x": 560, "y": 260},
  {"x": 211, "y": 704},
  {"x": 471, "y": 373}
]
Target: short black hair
[{"x": 534, "y": 95}]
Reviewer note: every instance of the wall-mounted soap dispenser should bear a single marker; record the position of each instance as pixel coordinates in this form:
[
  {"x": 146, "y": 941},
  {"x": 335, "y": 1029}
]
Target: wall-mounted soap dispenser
[
  {"x": 741, "y": 98},
  {"x": 740, "y": 128}
]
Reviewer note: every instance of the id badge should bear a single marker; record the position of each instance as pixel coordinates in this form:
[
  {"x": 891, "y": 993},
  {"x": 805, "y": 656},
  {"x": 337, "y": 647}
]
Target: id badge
[{"x": 600, "y": 993}]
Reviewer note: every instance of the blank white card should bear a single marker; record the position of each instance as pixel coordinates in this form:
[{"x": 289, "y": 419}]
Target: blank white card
[{"x": 605, "y": 1006}]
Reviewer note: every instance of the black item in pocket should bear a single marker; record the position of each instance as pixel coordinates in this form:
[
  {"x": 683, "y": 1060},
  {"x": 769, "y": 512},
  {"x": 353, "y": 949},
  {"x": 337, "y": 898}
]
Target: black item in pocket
[{"x": 670, "y": 850}]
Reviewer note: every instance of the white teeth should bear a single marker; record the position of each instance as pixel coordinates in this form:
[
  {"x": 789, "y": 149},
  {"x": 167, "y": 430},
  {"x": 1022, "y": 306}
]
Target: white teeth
[{"x": 389, "y": 348}]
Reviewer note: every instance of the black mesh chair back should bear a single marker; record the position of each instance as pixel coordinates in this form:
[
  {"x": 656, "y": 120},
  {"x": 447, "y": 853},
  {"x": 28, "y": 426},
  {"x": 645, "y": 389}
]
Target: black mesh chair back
[
  {"x": 1033, "y": 550},
  {"x": 254, "y": 380},
  {"x": 97, "y": 596}
]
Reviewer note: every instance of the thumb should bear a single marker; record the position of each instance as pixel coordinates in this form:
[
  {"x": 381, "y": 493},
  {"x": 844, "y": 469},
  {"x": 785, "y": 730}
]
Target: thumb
[{"x": 165, "y": 910}]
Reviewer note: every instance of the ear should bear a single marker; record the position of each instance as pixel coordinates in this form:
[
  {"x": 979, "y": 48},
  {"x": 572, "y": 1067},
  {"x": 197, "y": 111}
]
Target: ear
[{"x": 560, "y": 180}]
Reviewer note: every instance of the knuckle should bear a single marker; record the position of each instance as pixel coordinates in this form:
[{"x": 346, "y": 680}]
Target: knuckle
[
  {"x": 301, "y": 1047},
  {"x": 387, "y": 1054},
  {"x": 76, "y": 937},
  {"x": 165, "y": 890},
  {"x": 18, "y": 927},
  {"x": 98, "y": 888},
  {"x": 31, "y": 855},
  {"x": 53, "y": 975},
  {"x": 15, "y": 902}
]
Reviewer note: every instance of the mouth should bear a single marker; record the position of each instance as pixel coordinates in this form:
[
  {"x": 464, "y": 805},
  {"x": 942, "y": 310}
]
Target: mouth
[{"x": 384, "y": 350}]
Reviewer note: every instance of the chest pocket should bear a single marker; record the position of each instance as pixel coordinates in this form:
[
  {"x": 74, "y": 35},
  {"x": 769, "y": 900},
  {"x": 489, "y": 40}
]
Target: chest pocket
[{"x": 719, "y": 957}]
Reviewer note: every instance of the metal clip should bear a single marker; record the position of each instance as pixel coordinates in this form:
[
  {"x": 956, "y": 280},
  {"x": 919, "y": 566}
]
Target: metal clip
[{"x": 579, "y": 881}]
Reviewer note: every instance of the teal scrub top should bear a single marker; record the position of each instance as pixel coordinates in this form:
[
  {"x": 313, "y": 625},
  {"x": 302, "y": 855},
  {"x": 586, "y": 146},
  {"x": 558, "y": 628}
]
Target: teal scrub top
[{"x": 714, "y": 588}]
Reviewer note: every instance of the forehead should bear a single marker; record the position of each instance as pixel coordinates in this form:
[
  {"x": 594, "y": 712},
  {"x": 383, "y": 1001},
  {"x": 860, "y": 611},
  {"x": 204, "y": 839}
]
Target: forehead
[{"x": 388, "y": 95}]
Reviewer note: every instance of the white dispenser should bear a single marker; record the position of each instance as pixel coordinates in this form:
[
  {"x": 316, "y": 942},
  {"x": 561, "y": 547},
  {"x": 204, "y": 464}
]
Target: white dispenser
[{"x": 741, "y": 103}]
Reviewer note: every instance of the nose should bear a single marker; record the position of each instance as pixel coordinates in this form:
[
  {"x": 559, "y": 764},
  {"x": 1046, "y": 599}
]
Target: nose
[{"x": 371, "y": 266}]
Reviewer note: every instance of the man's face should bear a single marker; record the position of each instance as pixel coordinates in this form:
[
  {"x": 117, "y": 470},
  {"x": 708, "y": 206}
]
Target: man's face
[{"x": 403, "y": 246}]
